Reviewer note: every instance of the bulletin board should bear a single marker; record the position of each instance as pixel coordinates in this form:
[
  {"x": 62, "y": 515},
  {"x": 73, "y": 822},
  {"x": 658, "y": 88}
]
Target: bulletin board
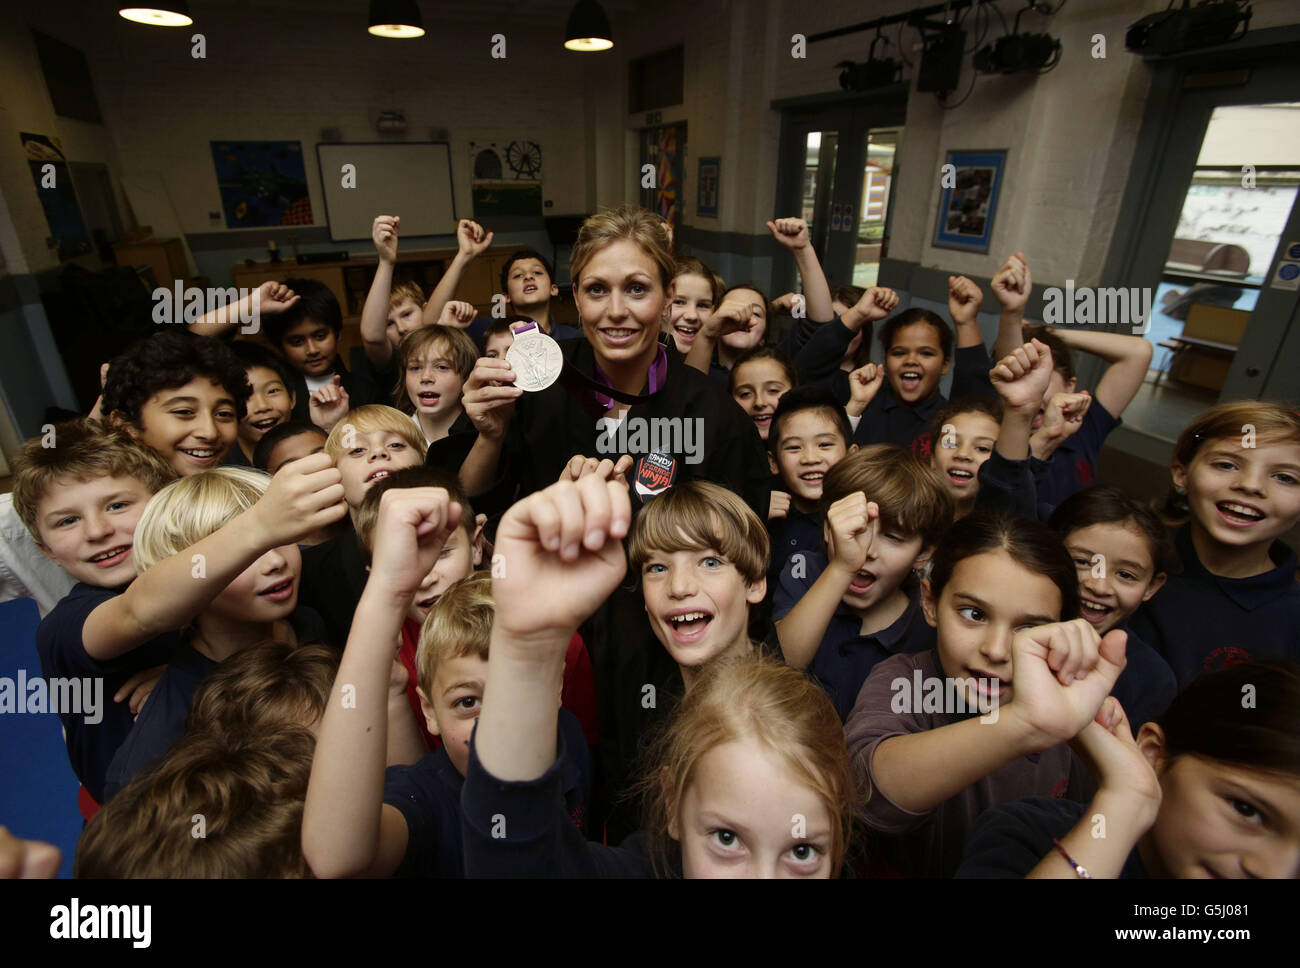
[{"x": 410, "y": 179}]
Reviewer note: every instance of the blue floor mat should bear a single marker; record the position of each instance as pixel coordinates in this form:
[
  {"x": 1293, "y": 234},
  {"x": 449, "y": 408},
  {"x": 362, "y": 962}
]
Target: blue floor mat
[{"x": 38, "y": 790}]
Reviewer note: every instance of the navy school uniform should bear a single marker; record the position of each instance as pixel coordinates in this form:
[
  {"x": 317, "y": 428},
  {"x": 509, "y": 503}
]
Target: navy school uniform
[
  {"x": 538, "y": 837},
  {"x": 846, "y": 657},
  {"x": 1074, "y": 464},
  {"x": 550, "y": 426},
  {"x": 382, "y": 379},
  {"x": 162, "y": 719},
  {"x": 428, "y": 795},
  {"x": 1147, "y": 685},
  {"x": 360, "y": 391},
  {"x": 887, "y": 420},
  {"x": 333, "y": 578},
  {"x": 1200, "y": 621},
  {"x": 1010, "y": 839},
  {"x": 62, "y": 654}
]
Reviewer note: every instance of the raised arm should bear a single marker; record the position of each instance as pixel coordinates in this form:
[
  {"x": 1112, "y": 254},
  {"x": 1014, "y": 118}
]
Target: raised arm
[
  {"x": 1129, "y": 358},
  {"x": 731, "y": 316},
  {"x": 1012, "y": 285},
  {"x": 374, "y": 314},
  {"x": 793, "y": 234},
  {"x": 305, "y": 496},
  {"x": 561, "y": 556},
  {"x": 266, "y": 300},
  {"x": 1020, "y": 379},
  {"x": 854, "y": 522},
  {"x": 964, "y": 298},
  {"x": 919, "y": 771},
  {"x": 471, "y": 241},
  {"x": 347, "y": 830}
]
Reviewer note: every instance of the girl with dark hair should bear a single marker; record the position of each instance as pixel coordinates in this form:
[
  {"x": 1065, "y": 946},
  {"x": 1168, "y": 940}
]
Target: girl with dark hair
[
  {"x": 1123, "y": 557},
  {"x": 1211, "y": 790},
  {"x": 936, "y": 737}
]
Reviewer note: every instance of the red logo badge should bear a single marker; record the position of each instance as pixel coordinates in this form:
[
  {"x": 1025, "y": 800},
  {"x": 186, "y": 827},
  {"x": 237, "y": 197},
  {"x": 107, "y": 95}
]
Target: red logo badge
[{"x": 655, "y": 473}]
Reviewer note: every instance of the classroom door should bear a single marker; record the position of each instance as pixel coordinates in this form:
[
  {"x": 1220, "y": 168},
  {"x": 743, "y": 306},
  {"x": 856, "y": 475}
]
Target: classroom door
[{"x": 837, "y": 171}]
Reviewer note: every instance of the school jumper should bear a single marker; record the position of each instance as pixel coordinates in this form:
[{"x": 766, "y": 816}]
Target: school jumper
[
  {"x": 333, "y": 578},
  {"x": 1073, "y": 466},
  {"x": 62, "y": 654},
  {"x": 930, "y": 843},
  {"x": 1200, "y": 621},
  {"x": 1010, "y": 839},
  {"x": 162, "y": 719},
  {"x": 538, "y": 838},
  {"x": 846, "y": 657},
  {"x": 428, "y": 796}
]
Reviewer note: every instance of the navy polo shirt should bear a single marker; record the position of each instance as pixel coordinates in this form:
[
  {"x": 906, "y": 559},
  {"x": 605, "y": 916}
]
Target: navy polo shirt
[
  {"x": 1074, "y": 464},
  {"x": 62, "y": 655},
  {"x": 887, "y": 420},
  {"x": 428, "y": 796},
  {"x": 846, "y": 657},
  {"x": 796, "y": 533},
  {"x": 1200, "y": 621},
  {"x": 1147, "y": 685},
  {"x": 1010, "y": 839}
]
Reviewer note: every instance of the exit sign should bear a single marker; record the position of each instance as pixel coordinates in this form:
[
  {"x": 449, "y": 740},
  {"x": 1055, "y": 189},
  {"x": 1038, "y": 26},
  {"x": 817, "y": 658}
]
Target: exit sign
[{"x": 654, "y": 117}]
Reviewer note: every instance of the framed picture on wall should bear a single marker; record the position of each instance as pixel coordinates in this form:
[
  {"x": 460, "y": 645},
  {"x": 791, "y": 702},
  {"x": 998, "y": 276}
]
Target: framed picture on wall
[
  {"x": 707, "y": 203},
  {"x": 972, "y": 181}
]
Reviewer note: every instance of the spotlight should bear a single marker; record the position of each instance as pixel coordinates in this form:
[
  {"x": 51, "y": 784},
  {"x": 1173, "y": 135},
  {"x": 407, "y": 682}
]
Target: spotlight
[
  {"x": 874, "y": 72},
  {"x": 1018, "y": 52},
  {"x": 1209, "y": 23}
]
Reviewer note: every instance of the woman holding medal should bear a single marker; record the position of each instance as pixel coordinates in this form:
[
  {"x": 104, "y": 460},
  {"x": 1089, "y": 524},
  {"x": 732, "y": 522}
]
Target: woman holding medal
[{"x": 616, "y": 392}]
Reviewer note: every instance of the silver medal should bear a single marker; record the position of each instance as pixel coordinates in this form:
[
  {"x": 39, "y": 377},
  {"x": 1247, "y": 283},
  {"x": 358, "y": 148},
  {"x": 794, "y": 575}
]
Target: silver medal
[{"x": 536, "y": 359}]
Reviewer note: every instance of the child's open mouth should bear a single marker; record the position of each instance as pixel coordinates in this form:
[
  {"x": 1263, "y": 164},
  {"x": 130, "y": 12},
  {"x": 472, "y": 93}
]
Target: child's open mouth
[
  {"x": 1094, "y": 612},
  {"x": 1239, "y": 515},
  {"x": 762, "y": 419},
  {"x": 279, "y": 593},
  {"x": 686, "y": 332},
  {"x": 689, "y": 627},
  {"x": 989, "y": 686},
  {"x": 429, "y": 399},
  {"x": 910, "y": 380},
  {"x": 959, "y": 477},
  {"x": 111, "y": 557},
  {"x": 427, "y": 603},
  {"x": 530, "y": 288},
  {"x": 861, "y": 583},
  {"x": 264, "y": 425},
  {"x": 378, "y": 475}
]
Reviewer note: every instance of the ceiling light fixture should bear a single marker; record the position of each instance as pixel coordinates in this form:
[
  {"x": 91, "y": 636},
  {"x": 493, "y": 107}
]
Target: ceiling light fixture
[
  {"x": 168, "y": 13},
  {"x": 588, "y": 29},
  {"x": 398, "y": 19}
]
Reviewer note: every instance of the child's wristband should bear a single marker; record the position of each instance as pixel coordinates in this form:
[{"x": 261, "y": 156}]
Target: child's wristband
[{"x": 1079, "y": 869}]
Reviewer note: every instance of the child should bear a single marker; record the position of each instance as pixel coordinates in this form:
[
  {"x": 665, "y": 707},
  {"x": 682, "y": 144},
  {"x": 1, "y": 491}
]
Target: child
[
  {"x": 839, "y": 613},
  {"x": 307, "y": 334},
  {"x": 967, "y": 433},
  {"x": 286, "y": 442},
  {"x": 359, "y": 820},
  {"x": 462, "y": 552},
  {"x": 695, "y": 291},
  {"x": 432, "y": 364},
  {"x": 271, "y": 402},
  {"x": 82, "y": 500},
  {"x": 1211, "y": 790},
  {"x": 366, "y": 445},
  {"x": 247, "y": 793},
  {"x": 751, "y": 745},
  {"x": 702, "y": 555},
  {"x": 267, "y": 688},
  {"x": 1123, "y": 557},
  {"x": 757, "y": 381},
  {"x": 810, "y": 434},
  {"x": 499, "y": 336},
  {"x": 182, "y": 395},
  {"x": 1236, "y": 472},
  {"x": 1003, "y": 598},
  {"x": 227, "y": 543},
  {"x": 739, "y": 321},
  {"x": 389, "y": 312}
]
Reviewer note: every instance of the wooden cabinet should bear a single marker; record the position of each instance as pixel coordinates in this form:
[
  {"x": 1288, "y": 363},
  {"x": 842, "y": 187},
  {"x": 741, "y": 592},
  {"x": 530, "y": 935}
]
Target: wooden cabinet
[{"x": 166, "y": 257}]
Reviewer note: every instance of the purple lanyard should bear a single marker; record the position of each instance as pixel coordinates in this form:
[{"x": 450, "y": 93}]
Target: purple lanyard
[{"x": 658, "y": 370}]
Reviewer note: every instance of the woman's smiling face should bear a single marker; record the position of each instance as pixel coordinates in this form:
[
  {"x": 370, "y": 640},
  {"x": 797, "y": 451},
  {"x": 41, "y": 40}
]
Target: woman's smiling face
[{"x": 622, "y": 302}]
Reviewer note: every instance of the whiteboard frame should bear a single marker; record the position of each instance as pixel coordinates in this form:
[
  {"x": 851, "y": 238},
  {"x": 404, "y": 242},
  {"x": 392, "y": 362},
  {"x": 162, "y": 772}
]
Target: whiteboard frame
[{"x": 320, "y": 170}]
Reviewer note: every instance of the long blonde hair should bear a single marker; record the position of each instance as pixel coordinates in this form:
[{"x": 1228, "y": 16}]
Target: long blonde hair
[{"x": 749, "y": 698}]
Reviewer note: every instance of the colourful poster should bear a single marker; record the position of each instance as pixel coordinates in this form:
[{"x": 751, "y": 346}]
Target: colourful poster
[
  {"x": 58, "y": 197},
  {"x": 262, "y": 183}
]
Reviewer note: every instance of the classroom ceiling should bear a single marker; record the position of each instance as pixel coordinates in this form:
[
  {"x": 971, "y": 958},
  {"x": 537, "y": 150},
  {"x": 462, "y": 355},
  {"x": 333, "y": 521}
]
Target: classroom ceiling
[{"x": 519, "y": 13}]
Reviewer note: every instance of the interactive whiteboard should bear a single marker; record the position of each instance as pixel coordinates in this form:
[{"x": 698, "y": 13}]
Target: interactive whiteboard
[{"x": 409, "y": 179}]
